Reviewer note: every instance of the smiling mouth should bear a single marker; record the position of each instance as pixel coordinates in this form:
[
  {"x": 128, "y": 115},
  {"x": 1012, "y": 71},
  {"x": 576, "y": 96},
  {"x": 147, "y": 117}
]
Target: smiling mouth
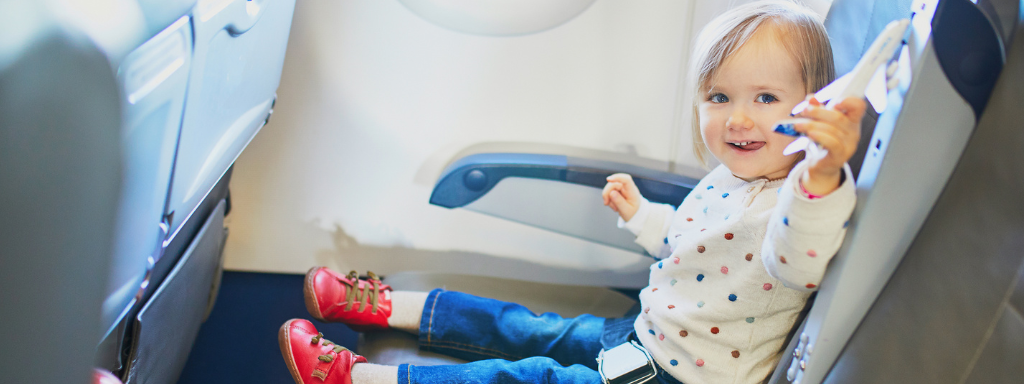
[{"x": 747, "y": 146}]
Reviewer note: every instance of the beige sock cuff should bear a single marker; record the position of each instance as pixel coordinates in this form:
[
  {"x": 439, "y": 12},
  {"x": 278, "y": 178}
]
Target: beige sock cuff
[
  {"x": 406, "y": 310},
  {"x": 367, "y": 373}
]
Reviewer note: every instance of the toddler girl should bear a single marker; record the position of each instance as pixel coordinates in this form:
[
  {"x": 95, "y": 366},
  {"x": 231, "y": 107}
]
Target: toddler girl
[{"x": 740, "y": 255}]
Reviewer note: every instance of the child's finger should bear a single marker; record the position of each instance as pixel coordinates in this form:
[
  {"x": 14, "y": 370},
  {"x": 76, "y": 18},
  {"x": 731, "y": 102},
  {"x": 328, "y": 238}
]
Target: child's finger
[
  {"x": 852, "y": 107},
  {"x": 628, "y": 187},
  {"x": 835, "y": 145},
  {"x": 623, "y": 178},
  {"x": 823, "y": 114},
  {"x": 608, "y": 188},
  {"x": 630, "y": 191},
  {"x": 829, "y": 137},
  {"x": 618, "y": 200},
  {"x": 816, "y": 126}
]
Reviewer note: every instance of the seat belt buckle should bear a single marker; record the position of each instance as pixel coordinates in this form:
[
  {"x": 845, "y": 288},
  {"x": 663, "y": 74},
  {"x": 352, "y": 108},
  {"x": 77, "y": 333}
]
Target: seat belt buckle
[{"x": 627, "y": 363}]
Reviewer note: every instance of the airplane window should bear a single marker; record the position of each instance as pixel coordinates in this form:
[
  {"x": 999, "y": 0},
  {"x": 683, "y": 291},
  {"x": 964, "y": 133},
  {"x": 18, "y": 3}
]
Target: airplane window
[{"x": 500, "y": 18}]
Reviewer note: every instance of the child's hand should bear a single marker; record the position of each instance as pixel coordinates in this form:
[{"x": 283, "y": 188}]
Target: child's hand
[
  {"x": 622, "y": 195},
  {"x": 838, "y": 131}
]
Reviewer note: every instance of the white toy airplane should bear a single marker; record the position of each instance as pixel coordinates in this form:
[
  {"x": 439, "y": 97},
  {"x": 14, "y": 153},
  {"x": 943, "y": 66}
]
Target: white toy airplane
[{"x": 866, "y": 78}]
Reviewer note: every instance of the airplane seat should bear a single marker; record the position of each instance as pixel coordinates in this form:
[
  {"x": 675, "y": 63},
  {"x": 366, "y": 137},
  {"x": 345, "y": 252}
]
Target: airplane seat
[
  {"x": 59, "y": 183},
  {"x": 196, "y": 81},
  {"x": 953, "y": 56}
]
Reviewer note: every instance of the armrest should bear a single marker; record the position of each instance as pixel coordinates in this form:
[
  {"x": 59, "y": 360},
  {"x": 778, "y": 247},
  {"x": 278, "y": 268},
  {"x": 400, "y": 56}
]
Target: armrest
[
  {"x": 519, "y": 187},
  {"x": 473, "y": 176}
]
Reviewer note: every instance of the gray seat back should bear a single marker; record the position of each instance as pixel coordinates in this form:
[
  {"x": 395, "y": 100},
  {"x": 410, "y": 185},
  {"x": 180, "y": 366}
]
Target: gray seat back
[{"x": 60, "y": 176}]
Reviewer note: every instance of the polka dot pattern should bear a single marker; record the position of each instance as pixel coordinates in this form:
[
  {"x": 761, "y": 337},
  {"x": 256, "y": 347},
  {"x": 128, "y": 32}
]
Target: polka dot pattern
[{"x": 720, "y": 286}]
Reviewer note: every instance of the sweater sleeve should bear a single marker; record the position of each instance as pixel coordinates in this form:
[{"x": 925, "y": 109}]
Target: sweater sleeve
[
  {"x": 803, "y": 233},
  {"x": 650, "y": 224}
]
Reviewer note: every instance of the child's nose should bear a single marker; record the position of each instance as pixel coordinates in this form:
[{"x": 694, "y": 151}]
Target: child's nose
[{"x": 739, "y": 120}]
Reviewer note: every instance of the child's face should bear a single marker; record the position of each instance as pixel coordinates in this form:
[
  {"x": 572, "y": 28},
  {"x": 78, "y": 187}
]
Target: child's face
[{"x": 755, "y": 87}]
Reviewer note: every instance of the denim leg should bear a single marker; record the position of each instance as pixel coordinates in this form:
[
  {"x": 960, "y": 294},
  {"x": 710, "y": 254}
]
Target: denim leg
[
  {"x": 476, "y": 328},
  {"x": 527, "y": 371}
]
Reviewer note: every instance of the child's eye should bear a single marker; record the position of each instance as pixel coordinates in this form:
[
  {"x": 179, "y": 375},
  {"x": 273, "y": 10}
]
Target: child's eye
[
  {"x": 766, "y": 98},
  {"x": 718, "y": 98}
]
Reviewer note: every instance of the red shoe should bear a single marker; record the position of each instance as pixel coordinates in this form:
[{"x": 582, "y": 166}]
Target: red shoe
[
  {"x": 363, "y": 305},
  {"x": 100, "y": 376},
  {"x": 312, "y": 359}
]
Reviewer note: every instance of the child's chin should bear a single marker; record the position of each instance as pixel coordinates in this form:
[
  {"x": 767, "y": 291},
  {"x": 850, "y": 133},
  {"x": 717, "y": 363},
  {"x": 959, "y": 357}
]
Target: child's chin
[{"x": 745, "y": 175}]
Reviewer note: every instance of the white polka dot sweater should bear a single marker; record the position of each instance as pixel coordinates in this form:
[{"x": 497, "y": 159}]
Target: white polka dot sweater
[{"x": 738, "y": 261}]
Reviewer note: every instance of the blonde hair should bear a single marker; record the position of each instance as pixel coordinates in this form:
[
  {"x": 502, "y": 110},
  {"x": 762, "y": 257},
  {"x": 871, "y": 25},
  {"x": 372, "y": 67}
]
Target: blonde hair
[{"x": 798, "y": 28}]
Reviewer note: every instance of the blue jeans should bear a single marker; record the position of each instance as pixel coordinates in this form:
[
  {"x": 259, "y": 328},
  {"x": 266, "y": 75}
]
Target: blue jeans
[{"x": 507, "y": 343}]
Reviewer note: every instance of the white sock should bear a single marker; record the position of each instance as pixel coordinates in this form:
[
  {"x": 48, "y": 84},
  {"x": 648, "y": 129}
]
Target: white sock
[
  {"x": 367, "y": 373},
  {"x": 406, "y": 310}
]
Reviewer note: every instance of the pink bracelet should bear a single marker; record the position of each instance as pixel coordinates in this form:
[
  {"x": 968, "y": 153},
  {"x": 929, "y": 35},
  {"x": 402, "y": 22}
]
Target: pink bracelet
[{"x": 808, "y": 194}]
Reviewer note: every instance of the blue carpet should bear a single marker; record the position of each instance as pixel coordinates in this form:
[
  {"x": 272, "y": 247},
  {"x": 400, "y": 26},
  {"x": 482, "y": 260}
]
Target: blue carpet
[{"x": 238, "y": 343}]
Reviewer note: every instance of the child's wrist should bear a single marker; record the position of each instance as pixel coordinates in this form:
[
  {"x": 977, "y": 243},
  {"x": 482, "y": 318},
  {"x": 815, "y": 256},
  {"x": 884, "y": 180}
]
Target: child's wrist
[
  {"x": 819, "y": 184},
  {"x": 627, "y": 216}
]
